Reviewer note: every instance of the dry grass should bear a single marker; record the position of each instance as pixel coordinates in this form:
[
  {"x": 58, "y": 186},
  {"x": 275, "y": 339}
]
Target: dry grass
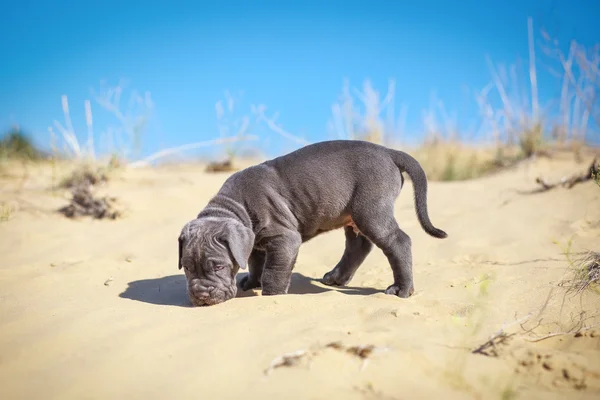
[
  {"x": 5, "y": 212},
  {"x": 585, "y": 273},
  {"x": 89, "y": 173},
  {"x": 455, "y": 161}
]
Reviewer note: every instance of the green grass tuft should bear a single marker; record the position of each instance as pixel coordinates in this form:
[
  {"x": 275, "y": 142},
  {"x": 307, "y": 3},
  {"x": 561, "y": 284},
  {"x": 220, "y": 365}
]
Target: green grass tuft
[{"x": 17, "y": 145}]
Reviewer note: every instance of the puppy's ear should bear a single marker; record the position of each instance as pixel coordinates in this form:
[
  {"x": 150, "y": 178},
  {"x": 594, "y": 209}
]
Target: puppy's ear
[
  {"x": 180, "y": 252},
  {"x": 240, "y": 241}
]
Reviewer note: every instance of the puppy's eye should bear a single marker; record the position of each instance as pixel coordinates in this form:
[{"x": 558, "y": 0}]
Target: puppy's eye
[{"x": 218, "y": 267}]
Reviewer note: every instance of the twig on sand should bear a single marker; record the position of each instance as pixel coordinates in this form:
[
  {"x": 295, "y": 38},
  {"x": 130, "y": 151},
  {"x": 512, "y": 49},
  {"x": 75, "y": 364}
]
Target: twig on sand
[
  {"x": 566, "y": 182},
  {"x": 576, "y": 329},
  {"x": 537, "y": 260},
  {"x": 294, "y": 358},
  {"x": 490, "y": 347},
  {"x": 576, "y": 333},
  {"x": 287, "y": 360}
]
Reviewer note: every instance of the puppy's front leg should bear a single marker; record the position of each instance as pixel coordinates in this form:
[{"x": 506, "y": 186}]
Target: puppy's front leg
[
  {"x": 256, "y": 263},
  {"x": 282, "y": 251}
]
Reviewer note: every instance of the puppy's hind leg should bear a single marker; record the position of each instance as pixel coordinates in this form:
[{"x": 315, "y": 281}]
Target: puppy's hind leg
[
  {"x": 357, "y": 249},
  {"x": 381, "y": 228},
  {"x": 256, "y": 263}
]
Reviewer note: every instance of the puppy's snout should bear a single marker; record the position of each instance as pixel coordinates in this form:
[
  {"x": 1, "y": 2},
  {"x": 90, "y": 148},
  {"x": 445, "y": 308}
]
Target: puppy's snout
[{"x": 202, "y": 291}]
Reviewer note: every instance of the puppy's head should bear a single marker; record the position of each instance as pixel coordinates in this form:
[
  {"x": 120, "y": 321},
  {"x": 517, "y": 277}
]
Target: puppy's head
[{"x": 211, "y": 251}]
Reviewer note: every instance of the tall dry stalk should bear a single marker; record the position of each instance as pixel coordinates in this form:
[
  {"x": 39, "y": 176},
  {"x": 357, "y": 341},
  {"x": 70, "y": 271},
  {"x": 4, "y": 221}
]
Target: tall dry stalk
[
  {"x": 580, "y": 82},
  {"x": 130, "y": 122},
  {"x": 358, "y": 114},
  {"x": 533, "y": 73},
  {"x": 521, "y": 124}
]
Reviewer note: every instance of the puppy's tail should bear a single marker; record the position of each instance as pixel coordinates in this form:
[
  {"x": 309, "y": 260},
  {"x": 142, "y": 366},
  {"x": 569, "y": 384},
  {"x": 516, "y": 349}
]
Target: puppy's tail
[{"x": 412, "y": 167}]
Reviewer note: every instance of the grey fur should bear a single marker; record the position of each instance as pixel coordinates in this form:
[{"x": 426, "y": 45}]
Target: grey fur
[{"x": 262, "y": 214}]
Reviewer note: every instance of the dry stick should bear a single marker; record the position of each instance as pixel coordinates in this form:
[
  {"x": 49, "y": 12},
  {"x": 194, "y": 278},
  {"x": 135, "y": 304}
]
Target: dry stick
[
  {"x": 173, "y": 150},
  {"x": 562, "y": 334},
  {"x": 402, "y": 118},
  {"x": 89, "y": 123},
  {"x": 67, "y": 133},
  {"x": 260, "y": 111},
  {"x": 500, "y": 337},
  {"x": 342, "y": 114},
  {"x": 508, "y": 109},
  {"x": 567, "y": 183},
  {"x": 532, "y": 72},
  {"x": 521, "y": 262},
  {"x": 112, "y": 105},
  {"x": 580, "y": 95},
  {"x": 487, "y": 111},
  {"x": 294, "y": 358},
  {"x": 448, "y": 122},
  {"x": 564, "y": 96}
]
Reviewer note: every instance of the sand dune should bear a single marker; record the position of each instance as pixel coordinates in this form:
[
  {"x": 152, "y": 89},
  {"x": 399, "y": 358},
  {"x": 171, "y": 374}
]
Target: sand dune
[{"x": 97, "y": 309}]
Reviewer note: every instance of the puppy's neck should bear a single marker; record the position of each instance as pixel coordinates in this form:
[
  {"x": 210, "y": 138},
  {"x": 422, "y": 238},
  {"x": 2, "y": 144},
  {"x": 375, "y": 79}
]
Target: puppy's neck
[{"x": 226, "y": 207}]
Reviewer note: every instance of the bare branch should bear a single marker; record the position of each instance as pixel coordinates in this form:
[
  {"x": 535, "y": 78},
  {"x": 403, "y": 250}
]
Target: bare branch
[
  {"x": 131, "y": 122},
  {"x": 271, "y": 123},
  {"x": 532, "y": 72},
  {"x": 509, "y": 112},
  {"x": 569, "y": 71},
  {"x": 568, "y": 183},
  {"x": 564, "y": 94},
  {"x": 68, "y": 133},
  {"x": 174, "y": 150},
  {"x": 576, "y": 332},
  {"x": 89, "y": 123}
]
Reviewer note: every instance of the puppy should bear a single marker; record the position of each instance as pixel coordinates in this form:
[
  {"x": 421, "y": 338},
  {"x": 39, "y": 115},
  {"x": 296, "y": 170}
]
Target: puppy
[{"x": 262, "y": 214}]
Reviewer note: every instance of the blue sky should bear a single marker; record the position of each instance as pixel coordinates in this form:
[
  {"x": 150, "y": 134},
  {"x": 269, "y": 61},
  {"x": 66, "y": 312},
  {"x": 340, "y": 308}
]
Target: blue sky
[{"x": 291, "y": 56}]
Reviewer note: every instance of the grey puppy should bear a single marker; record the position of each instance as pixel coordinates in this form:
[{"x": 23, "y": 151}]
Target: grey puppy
[{"x": 262, "y": 214}]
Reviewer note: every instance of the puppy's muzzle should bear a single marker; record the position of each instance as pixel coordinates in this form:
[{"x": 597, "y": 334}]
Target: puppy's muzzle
[{"x": 206, "y": 295}]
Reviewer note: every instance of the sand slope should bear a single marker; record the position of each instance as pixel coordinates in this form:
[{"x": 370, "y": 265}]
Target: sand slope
[{"x": 97, "y": 309}]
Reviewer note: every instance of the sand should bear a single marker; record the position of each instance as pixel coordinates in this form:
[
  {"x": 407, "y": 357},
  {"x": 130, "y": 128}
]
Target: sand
[{"x": 96, "y": 309}]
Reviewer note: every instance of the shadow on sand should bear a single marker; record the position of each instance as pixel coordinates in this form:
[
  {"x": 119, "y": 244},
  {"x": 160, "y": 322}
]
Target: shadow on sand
[
  {"x": 171, "y": 290},
  {"x": 165, "y": 291}
]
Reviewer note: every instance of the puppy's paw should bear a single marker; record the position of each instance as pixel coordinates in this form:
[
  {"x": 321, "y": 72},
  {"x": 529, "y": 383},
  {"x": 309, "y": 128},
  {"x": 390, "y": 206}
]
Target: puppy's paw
[
  {"x": 396, "y": 290},
  {"x": 332, "y": 278},
  {"x": 246, "y": 283}
]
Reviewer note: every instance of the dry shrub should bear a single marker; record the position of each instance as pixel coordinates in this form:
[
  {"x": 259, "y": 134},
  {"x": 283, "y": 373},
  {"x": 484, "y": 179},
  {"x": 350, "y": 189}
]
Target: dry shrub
[
  {"x": 84, "y": 203},
  {"x": 586, "y": 273},
  {"x": 221, "y": 166},
  {"x": 84, "y": 174},
  {"x": 531, "y": 140},
  {"x": 81, "y": 182},
  {"x": 90, "y": 174},
  {"x": 5, "y": 212}
]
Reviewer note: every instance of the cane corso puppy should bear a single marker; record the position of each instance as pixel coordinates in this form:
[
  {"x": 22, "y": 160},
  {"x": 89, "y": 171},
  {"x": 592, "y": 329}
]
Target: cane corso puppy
[{"x": 262, "y": 214}]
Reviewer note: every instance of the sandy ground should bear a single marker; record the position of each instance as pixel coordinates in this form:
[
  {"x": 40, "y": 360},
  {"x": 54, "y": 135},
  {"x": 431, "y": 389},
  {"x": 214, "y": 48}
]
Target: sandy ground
[{"x": 97, "y": 309}]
